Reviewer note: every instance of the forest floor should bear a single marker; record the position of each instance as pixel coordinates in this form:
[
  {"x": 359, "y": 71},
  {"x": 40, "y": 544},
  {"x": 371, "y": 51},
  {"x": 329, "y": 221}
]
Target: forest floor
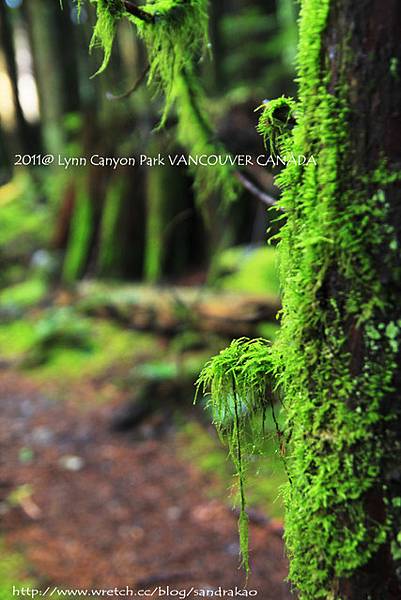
[{"x": 91, "y": 508}]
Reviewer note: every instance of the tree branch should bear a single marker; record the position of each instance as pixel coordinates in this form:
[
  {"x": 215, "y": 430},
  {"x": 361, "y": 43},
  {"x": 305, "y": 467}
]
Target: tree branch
[
  {"x": 254, "y": 190},
  {"x": 132, "y": 89},
  {"x": 137, "y": 12}
]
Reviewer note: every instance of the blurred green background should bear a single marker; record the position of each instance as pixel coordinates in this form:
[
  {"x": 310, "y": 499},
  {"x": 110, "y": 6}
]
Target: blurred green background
[{"x": 84, "y": 252}]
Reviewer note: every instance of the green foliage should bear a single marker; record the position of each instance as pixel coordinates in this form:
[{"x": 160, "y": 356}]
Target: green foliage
[
  {"x": 22, "y": 217},
  {"x": 66, "y": 347},
  {"x": 252, "y": 270},
  {"x": 238, "y": 386},
  {"x": 16, "y": 338},
  {"x": 60, "y": 327},
  {"x": 24, "y": 294}
]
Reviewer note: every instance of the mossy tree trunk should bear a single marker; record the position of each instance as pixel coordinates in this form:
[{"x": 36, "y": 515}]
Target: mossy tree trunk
[{"x": 339, "y": 351}]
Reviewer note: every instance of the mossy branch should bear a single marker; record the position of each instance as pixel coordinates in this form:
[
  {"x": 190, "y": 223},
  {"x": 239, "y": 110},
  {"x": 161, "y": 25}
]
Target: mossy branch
[{"x": 137, "y": 12}]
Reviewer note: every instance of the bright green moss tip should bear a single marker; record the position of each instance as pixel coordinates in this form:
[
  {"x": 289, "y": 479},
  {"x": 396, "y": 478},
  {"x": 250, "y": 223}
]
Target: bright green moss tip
[
  {"x": 108, "y": 12},
  {"x": 276, "y": 121}
]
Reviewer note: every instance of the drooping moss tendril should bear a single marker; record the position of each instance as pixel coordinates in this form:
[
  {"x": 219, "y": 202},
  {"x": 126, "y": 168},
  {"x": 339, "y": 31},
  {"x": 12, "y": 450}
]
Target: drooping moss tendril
[{"x": 237, "y": 385}]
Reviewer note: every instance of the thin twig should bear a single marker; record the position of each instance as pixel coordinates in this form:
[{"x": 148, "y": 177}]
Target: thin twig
[
  {"x": 134, "y": 10},
  {"x": 254, "y": 190},
  {"x": 132, "y": 89}
]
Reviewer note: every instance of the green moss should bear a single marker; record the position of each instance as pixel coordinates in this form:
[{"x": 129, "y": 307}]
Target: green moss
[
  {"x": 108, "y": 12},
  {"x": 336, "y": 241},
  {"x": 16, "y": 338},
  {"x": 23, "y": 218},
  {"x": 175, "y": 42},
  {"x": 275, "y": 123},
  {"x": 237, "y": 385},
  {"x": 109, "y": 347},
  {"x": 72, "y": 352}
]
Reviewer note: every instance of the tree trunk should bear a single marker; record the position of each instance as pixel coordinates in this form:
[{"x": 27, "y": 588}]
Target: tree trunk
[
  {"x": 339, "y": 347},
  {"x": 49, "y": 77},
  {"x": 25, "y": 135}
]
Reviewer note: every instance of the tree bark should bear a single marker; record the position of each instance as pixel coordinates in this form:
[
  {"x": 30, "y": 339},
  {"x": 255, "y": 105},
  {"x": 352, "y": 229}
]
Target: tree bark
[
  {"x": 364, "y": 36},
  {"x": 339, "y": 347}
]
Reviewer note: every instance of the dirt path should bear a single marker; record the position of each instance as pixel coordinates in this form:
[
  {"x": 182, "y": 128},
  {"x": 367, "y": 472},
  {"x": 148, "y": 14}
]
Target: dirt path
[{"x": 104, "y": 510}]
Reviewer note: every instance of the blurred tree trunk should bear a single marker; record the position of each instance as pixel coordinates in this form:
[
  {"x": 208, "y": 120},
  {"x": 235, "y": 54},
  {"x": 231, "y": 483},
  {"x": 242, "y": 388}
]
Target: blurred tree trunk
[
  {"x": 168, "y": 211},
  {"x": 68, "y": 59},
  {"x": 5, "y": 163},
  {"x": 26, "y": 140},
  {"x": 48, "y": 69}
]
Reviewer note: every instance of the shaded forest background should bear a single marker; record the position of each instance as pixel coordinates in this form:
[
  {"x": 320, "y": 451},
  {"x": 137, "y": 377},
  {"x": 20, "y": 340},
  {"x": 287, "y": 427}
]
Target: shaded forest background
[{"x": 135, "y": 222}]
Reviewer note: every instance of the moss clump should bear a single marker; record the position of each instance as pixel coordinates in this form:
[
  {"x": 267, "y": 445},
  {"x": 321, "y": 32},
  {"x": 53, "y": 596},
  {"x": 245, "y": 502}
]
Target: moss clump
[
  {"x": 176, "y": 41},
  {"x": 24, "y": 294},
  {"x": 237, "y": 383},
  {"x": 276, "y": 121},
  {"x": 108, "y": 12}
]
